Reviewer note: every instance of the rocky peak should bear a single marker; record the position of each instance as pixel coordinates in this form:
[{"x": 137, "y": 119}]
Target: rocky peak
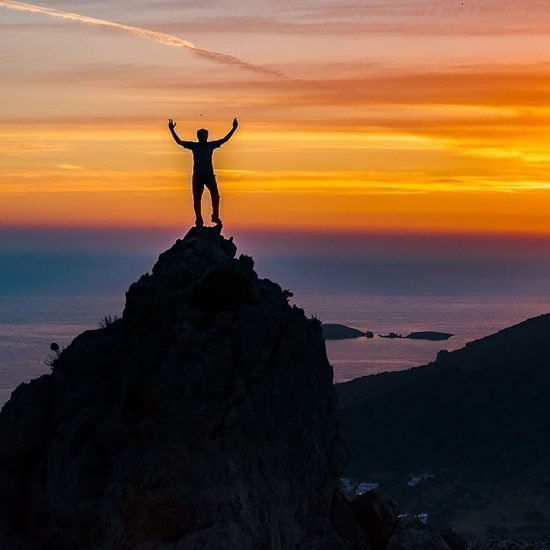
[{"x": 203, "y": 418}]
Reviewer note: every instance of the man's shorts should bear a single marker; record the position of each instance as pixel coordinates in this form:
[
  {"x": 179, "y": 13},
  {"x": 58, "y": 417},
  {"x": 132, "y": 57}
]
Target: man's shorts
[{"x": 200, "y": 181}]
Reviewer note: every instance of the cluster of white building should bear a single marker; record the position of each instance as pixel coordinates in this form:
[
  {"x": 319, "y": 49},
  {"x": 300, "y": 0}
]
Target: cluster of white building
[
  {"x": 415, "y": 479},
  {"x": 356, "y": 488},
  {"x": 353, "y": 488},
  {"x": 423, "y": 516}
]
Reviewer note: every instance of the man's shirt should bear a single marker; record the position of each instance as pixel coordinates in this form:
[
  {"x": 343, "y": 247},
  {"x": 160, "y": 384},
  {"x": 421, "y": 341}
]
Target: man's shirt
[{"x": 202, "y": 155}]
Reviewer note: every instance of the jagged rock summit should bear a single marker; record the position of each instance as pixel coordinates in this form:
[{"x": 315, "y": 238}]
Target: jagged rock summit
[{"x": 204, "y": 418}]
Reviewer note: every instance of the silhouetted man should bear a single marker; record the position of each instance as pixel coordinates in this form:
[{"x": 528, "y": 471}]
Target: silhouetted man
[{"x": 203, "y": 169}]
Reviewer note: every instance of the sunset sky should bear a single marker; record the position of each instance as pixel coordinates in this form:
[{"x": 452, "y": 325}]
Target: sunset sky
[{"x": 426, "y": 116}]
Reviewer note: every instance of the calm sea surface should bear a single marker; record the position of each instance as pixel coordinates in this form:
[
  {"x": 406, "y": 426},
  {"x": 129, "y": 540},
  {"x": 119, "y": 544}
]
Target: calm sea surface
[
  {"x": 467, "y": 317},
  {"x": 49, "y": 294},
  {"x": 29, "y": 323}
]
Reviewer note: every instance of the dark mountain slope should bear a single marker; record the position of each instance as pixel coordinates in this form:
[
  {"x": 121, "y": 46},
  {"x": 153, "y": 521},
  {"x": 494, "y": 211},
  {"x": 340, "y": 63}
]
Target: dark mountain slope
[{"x": 483, "y": 408}]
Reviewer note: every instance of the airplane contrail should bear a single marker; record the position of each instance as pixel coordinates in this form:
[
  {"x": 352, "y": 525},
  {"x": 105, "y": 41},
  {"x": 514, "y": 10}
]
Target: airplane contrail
[{"x": 160, "y": 37}]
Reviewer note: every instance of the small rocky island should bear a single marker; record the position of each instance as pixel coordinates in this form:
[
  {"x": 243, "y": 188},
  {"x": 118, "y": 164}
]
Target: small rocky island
[
  {"x": 423, "y": 335},
  {"x": 334, "y": 331}
]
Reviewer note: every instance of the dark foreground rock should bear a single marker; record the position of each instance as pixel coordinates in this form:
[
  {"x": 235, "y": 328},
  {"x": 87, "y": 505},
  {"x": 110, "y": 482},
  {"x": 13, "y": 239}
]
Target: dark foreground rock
[
  {"x": 204, "y": 418},
  {"x": 540, "y": 543},
  {"x": 412, "y": 534},
  {"x": 377, "y": 514},
  {"x": 454, "y": 539}
]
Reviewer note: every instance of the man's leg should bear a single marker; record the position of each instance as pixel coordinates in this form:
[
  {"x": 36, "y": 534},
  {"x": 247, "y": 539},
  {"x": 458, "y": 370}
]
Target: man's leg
[
  {"x": 198, "y": 188},
  {"x": 215, "y": 195}
]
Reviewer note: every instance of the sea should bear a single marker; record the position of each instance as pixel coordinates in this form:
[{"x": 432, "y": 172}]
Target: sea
[{"x": 50, "y": 297}]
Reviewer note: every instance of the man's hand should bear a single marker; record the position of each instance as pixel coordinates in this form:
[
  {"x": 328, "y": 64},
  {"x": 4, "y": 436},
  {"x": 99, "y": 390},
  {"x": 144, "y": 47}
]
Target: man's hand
[
  {"x": 225, "y": 139},
  {"x": 171, "y": 124}
]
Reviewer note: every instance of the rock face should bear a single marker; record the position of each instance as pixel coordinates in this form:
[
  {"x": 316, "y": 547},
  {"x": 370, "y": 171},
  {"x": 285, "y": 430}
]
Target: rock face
[
  {"x": 412, "y": 534},
  {"x": 377, "y": 514},
  {"x": 204, "y": 418}
]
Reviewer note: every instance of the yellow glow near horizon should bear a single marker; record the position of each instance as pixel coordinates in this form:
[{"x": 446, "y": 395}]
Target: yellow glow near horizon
[{"x": 437, "y": 132}]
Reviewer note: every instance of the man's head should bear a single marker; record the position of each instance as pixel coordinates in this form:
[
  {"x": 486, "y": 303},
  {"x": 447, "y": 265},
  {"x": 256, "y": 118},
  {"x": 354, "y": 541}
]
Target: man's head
[{"x": 202, "y": 135}]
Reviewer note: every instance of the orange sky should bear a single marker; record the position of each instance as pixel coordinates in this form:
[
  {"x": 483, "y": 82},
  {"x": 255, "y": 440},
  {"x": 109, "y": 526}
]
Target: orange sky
[{"x": 424, "y": 118}]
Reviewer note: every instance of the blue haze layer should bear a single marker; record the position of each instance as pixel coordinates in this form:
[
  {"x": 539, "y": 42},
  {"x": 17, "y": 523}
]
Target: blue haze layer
[{"x": 55, "y": 284}]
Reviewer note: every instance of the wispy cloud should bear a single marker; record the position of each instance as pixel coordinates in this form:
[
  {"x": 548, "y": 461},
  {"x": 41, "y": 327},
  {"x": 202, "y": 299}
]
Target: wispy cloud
[
  {"x": 376, "y": 17},
  {"x": 160, "y": 37},
  {"x": 346, "y": 83},
  {"x": 490, "y": 111},
  {"x": 306, "y": 18}
]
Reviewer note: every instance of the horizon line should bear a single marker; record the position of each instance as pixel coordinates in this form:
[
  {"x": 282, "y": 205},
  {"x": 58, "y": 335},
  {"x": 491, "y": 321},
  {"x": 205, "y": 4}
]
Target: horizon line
[{"x": 312, "y": 231}]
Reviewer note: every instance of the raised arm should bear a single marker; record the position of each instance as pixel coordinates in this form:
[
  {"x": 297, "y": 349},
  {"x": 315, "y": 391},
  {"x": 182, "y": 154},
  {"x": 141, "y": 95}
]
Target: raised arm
[
  {"x": 230, "y": 133},
  {"x": 172, "y": 126}
]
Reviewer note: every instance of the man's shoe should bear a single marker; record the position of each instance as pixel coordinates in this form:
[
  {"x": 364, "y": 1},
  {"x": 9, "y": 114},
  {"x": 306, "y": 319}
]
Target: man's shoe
[
  {"x": 199, "y": 222},
  {"x": 216, "y": 219}
]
